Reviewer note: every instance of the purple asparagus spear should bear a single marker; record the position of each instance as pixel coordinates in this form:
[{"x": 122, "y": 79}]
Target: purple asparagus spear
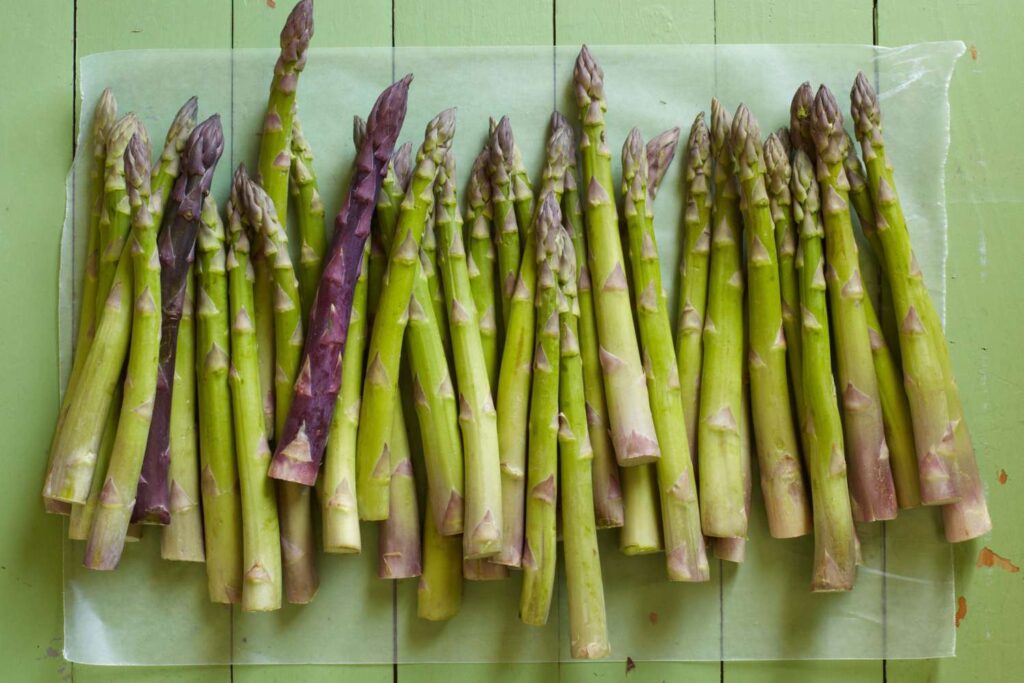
[
  {"x": 176, "y": 246},
  {"x": 300, "y": 448}
]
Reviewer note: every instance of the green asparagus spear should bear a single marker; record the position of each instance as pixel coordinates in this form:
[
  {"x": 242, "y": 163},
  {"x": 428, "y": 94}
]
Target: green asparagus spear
[
  {"x": 261, "y": 534},
  {"x": 506, "y": 227},
  {"x": 778, "y": 172},
  {"x": 539, "y": 544},
  {"x": 872, "y": 492},
  {"x": 834, "y": 537},
  {"x": 222, "y": 512},
  {"x": 439, "y": 594},
  {"x": 106, "y": 539},
  {"x": 182, "y": 539},
  {"x": 777, "y": 443},
  {"x": 588, "y": 627},
  {"x": 632, "y": 426},
  {"x": 305, "y": 191},
  {"x": 685, "y": 554},
  {"x": 899, "y": 430},
  {"x": 477, "y": 416},
  {"x": 480, "y": 263},
  {"x": 608, "y": 504},
  {"x": 515, "y": 373},
  {"x": 720, "y": 455},
  {"x": 693, "y": 274},
  {"x": 373, "y": 468},
  {"x": 80, "y": 521},
  {"x": 169, "y": 166},
  {"x": 921, "y": 335},
  {"x": 399, "y": 554}
]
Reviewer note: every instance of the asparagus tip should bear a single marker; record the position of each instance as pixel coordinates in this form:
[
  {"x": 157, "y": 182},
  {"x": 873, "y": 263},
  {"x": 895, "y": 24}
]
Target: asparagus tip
[
  {"x": 589, "y": 80},
  {"x": 719, "y": 127},
  {"x": 137, "y": 167},
  {"x": 864, "y": 106},
  {"x": 634, "y": 167},
  {"x": 388, "y": 111},
  {"x": 799, "y": 111},
  {"x": 746, "y": 139},
  {"x": 297, "y": 32},
  {"x": 826, "y": 127},
  {"x": 661, "y": 150},
  {"x": 402, "y": 162}
]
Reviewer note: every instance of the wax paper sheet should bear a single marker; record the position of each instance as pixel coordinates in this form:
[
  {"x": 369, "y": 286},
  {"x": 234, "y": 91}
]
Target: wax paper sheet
[{"x": 152, "y": 612}]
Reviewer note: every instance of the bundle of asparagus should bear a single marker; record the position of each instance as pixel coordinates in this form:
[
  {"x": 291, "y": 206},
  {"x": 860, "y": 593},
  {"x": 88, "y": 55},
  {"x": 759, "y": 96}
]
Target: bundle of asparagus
[{"x": 534, "y": 340}]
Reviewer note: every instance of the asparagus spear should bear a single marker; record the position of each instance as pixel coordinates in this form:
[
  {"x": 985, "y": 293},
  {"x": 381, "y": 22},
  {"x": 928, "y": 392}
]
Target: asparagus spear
[
  {"x": 720, "y": 456},
  {"x": 921, "y": 335},
  {"x": 899, "y": 430},
  {"x": 799, "y": 120},
  {"x": 641, "y": 528},
  {"x": 182, "y": 538},
  {"x": 693, "y": 273},
  {"x": 222, "y": 513},
  {"x": 477, "y": 416},
  {"x": 293, "y": 500},
  {"x": 515, "y": 373},
  {"x": 608, "y": 504},
  {"x": 305, "y": 191},
  {"x": 80, "y": 521},
  {"x": 176, "y": 248},
  {"x": 834, "y": 538},
  {"x": 539, "y": 546},
  {"x": 506, "y": 227},
  {"x": 480, "y": 258},
  {"x": 661, "y": 150},
  {"x": 301, "y": 446},
  {"x": 872, "y": 492},
  {"x": 166, "y": 172},
  {"x": 777, "y": 443},
  {"x": 588, "y": 628},
  {"x": 439, "y": 594},
  {"x": 685, "y": 555},
  {"x": 87, "y": 401},
  {"x": 103, "y": 119},
  {"x": 106, "y": 539},
  {"x": 399, "y": 553},
  {"x": 391, "y": 315},
  {"x": 632, "y": 426},
  {"x": 735, "y": 549},
  {"x": 778, "y": 172},
  {"x": 261, "y": 537}
]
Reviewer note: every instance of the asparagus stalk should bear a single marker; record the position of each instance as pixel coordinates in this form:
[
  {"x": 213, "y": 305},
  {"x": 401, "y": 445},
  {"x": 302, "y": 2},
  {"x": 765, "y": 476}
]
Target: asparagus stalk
[
  {"x": 522, "y": 192},
  {"x": 293, "y": 500},
  {"x": 182, "y": 538},
  {"x": 608, "y": 503},
  {"x": 735, "y": 549},
  {"x": 800, "y": 121},
  {"x": 261, "y": 536},
  {"x": 168, "y": 168},
  {"x": 477, "y": 416},
  {"x": 484, "y": 570},
  {"x": 720, "y": 454},
  {"x": 693, "y": 274},
  {"x": 685, "y": 555},
  {"x": 920, "y": 335},
  {"x": 428, "y": 265},
  {"x": 176, "y": 249},
  {"x": 632, "y": 426},
  {"x": 480, "y": 263},
  {"x": 778, "y": 172},
  {"x": 103, "y": 119},
  {"x": 400, "y": 551},
  {"x": 872, "y": 492},
  {"x": 834, "y": 538},
  {"x": 389, "y": 200},
  {"x": 506, "y": 226},
  {"x": 87, "y": 401},
  {"x": 373, "y": 468},
  {"x": 588, "y": 628},
  {"x": 641, "y": 528},
  {"x": 305, "y": 191},
  {"x": 301, "y": 446},
  {"x": 515, "y": 373},
  {"x": 539, "y": 546},
  {"x": 439, "y": 594},
  {"x": 106, "y": 538},
  {"x": 899, "y": 430},
  {"x": 80, "y": 521},
  {"x": 222, "y": 513},
  {"x": 777, "y": 442}
]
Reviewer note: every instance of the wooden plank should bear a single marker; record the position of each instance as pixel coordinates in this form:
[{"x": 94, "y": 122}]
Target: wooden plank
[
  {"x": 104, "y": 25},
  {"x": 347, "y": 23},
  {"x": 37, "y": 129},
  {"x": 643, "y": 21},
  {"x": 983, "y": 292},
  {"x": 470, "y": 22},
  {"x": 803, "y": 21}
]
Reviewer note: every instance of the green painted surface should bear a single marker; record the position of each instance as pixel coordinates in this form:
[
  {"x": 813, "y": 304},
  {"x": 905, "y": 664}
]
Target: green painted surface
[{"x": 984, "y": 193}]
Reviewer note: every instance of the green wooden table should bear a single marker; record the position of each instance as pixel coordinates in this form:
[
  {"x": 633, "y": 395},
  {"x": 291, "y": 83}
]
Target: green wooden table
[{"x": 42, "y": 40}]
